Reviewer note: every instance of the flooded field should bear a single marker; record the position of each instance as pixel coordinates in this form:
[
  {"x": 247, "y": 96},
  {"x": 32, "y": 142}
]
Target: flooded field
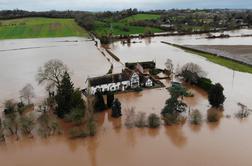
[
  {"x": 227, "y": 142},
  {"x": 20, "y": 60}
]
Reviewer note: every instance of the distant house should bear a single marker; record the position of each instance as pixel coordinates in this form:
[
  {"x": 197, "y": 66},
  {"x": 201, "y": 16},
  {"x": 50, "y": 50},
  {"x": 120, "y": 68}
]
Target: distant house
[{"x": 128, "y": 79}]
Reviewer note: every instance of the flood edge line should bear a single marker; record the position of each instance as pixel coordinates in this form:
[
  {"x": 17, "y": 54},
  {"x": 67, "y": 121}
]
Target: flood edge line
[{"x": 217, "y": 59}]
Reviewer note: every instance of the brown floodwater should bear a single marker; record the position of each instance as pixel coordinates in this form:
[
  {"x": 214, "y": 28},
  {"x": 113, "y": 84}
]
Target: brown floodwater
[
  {"x": 20, "y": 60},
  {"x": 227, "y": 142}
]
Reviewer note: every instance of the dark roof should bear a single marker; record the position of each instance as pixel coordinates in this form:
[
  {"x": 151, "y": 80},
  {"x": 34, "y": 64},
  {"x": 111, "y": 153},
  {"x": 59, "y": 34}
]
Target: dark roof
[
  {"x": 143, "y": 79},
  {"x": 112, "y": 78},
  {"x": 145, "y": 65}
]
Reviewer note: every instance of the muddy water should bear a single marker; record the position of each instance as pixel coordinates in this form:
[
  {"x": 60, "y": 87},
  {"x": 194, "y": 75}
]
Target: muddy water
[
  {"x": 201, "y": 39},
  {"x": 236, "y": 84},
  {"x": 20, "y": 60},
  {"x": 227, "y": 142}
]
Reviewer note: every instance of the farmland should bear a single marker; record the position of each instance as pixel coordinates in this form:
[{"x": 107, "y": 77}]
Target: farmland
[{"x": 39, "y": 28}]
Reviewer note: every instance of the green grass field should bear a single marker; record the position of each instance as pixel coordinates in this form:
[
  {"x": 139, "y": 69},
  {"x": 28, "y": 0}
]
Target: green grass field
[
  {"x": 140, "y": 17},
  {"x": 39, "y": 28},
  {"x": 123, "y": 27}
]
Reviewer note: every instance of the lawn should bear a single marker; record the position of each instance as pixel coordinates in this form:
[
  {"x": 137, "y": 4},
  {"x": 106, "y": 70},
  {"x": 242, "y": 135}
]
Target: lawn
[
  {"x": 140, "y": 17},
  {"x": 39, "y": 28}
]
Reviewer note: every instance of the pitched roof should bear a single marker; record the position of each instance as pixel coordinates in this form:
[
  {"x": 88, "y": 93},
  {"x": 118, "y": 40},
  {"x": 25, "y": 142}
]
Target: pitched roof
[{"x": 112, "y": 78}]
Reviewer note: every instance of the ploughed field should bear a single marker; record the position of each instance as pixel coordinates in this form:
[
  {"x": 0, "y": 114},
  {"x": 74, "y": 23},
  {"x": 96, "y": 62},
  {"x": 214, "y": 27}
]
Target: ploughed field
[
  {"x": 241, "y": 53},
  {"x": 39, "y": 28}
]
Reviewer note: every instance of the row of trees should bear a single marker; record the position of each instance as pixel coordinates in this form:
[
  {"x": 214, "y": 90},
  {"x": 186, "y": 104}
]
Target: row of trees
[
  {"x": 193, "y": 74},
  {"x": 140, "y": 119},
  {"x": 11, "y": 14}
]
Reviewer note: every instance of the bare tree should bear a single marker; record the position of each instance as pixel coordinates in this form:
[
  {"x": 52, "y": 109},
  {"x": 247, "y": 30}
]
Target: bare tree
[
  {"x": 192, "y": 72},
  {"x": 51, "y": 73},
  {"x": 194, "y": 68},
  {"x": 130, "y": 117},
  {"x": 169, "y": 65},
  {"x": 27, "y": 93}
]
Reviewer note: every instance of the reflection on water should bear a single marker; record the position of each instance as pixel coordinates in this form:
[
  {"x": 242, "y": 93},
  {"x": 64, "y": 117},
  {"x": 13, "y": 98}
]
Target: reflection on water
[
  {"x": 227, "y": 142},
  {"x": 176, "y": 135}
]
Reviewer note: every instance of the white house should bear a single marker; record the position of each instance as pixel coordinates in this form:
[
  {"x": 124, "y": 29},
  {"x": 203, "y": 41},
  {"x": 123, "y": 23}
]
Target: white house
[
  {"x": 114, "y": 82},
  {"x": 128, "y": 79}
]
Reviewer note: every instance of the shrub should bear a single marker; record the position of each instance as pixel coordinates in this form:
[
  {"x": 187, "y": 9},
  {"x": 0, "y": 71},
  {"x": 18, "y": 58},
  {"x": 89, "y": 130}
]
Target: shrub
[
  {"x": 105, "y": 39},
  {"x": 140, "y": 120},
  {"x": 138, "y": 89},
  {"x": 10, "y": 107},
  {"x": 154, "y": 121},
  {"x": 212, "y": 116},
  {"x": 110, "y": 99},
  {"x": 2, "y": 137},
  {"x": 99, "y": 104},
  {"x": 130, "y": 118},
  {"x": 91, "y": 126},
  {"x": 75, "y": 116},
  {"x": 205, "y": 84},
  {"x": 195, "y": 117},
  {"x": 116, "y": 109},
  {"x": 215, "y": 96},
  {"x": 26, "y": 124},
  {"x": 243, "y": 112},
  {"x": 170, "y": 119},
  {"x": 48, "y": 125},
  {"x": 174, "y": 106},
  {"x": 173, "y": 119},
  {"x": 77, "y": 132}
]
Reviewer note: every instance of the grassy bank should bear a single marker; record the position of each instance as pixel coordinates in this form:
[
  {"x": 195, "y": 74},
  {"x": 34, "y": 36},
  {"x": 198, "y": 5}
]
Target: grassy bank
[
  {"x": 225, "y": 62},
  {"x": 231, "y": 64},
  {"x": 39, "y": 28}
]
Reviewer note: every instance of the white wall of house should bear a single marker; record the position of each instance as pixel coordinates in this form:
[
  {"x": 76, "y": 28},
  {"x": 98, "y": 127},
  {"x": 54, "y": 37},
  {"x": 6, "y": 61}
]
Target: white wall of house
[
  {"x": 135, "y": 80},
  {"x": 112, "y": 87},
  {"x": 149, "y": 83}
]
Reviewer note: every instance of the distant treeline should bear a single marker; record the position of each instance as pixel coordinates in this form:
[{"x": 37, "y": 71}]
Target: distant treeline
[
  {"x": 182, "y": 21},
  {"x": 12, "y": 14}
]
